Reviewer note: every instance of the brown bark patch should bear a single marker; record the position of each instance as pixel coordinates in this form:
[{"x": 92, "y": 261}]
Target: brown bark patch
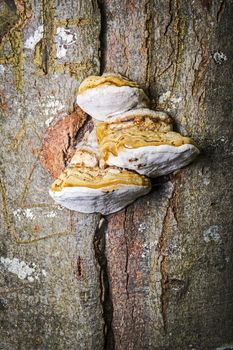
[
  {"x": 61, "y": 138},
  {"x": 125, "y": 248}
]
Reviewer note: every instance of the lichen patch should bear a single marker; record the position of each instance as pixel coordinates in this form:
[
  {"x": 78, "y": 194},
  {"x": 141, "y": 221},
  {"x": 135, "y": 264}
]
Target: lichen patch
[{"x": 24, "y": 271}]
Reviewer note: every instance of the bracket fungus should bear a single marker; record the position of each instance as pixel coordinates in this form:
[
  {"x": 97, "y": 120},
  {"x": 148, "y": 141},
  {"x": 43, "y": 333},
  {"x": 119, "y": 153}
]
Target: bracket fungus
[
  {"x": 90, "y": 190},
  {"x": 142, "y": 140},
  {"x": 110, "y": 94},
  {"x": 128, "y": 144}
]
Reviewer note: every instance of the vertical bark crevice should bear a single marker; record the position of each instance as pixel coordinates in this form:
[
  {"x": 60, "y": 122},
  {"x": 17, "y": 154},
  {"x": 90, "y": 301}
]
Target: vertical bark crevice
[
  {"x": 48, "y": 45},
  {"x": 170, "y": 19},
  {"x": 179, "y": 30},
  {"x": 163, "y": 262},
  {"x": 163, "y": 251},
  {"x": 102, "y": 36},
  {"x": 149, "y": 39},
  {"x": 100, "y": 233},
  {"x": 99, "y": 243},
  {"x": 126, "y": 255},
  {"x": 221, "y": 10}
]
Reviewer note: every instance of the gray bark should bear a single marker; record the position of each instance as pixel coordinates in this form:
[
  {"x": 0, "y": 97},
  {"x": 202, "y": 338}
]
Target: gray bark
[{"x": 157, "y": 275}]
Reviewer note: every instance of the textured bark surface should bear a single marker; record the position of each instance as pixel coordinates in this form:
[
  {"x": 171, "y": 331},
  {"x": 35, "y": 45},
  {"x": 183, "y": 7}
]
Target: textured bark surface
[
  {"x": 157, "y": 275},
  {"x": 59, "y": 143}
]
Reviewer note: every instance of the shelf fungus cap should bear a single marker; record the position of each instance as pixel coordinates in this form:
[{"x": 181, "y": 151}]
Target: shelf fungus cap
[
  {"x": 108, "y": 95},
  {"x": 147, "y": 145},
  {"x": 90, "y": 190}
]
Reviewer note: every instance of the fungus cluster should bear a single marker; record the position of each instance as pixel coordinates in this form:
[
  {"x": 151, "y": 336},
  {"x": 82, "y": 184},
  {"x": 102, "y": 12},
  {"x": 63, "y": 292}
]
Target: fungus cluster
[{"x": 128, "y": 144}]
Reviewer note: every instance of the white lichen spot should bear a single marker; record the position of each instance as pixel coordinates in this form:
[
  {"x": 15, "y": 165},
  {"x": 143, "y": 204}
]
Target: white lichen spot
[
  {"x": 49, "y": 121},
  {"x": 51, "y": 214},
  {"x": 53, "y": 103},
  {"x": 24, "y": 271},
  {"x": 2, "y": 68},
  {"x": 205, "y": 175},
  {"x": 31, "y": 42},
  {"x": 26, "y": 213},
  {"x": 219, "y": 57},
  {"x": 212, "y": 234},
  {"x": 64, "y": 39},
  {"x": 142, "y": 227},
  {"x": 17, "y": 214},
  {"x": 145, "y": 251},
  {"x": 166, "y": 97},
  {"x": 163, "y": 98},
  {"x": 44, "y": 273},
  {"x": 30, "y": 279},
  {"x": 51, "y": 107},
  {"x": 29, "y": 214},
  {"x": 206, "y": 181},
  {"x": 175, "y": 100}
]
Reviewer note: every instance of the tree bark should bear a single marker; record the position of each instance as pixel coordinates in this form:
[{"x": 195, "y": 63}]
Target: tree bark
[{"x": 157, "y": 275}]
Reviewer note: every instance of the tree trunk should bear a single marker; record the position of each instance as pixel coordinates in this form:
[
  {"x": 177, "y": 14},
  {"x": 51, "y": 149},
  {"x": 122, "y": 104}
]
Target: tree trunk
[{"x": 157, "y": 275}]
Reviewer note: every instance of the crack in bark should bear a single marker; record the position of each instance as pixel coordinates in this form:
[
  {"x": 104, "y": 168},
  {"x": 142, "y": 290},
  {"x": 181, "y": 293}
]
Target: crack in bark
[
  {"x": 169, "y": 59},
  {"x": 163, "y": 255},
  {"x": 3, "y": 104},
  {"x": 221, "y": 10},
  {"x": 48, "y": 40},
  {"x": 199, "y": 73},
  {"x": 127, "y": 255},
  {"x": 149, "y": 38},
  {"x": 103, "y": 35},
  {"x": 178, "y": 48},
  {"x": 87, "y": 125},
  {"x": 179, "y": 43},
  {"x": 65, "y": 150},
  {"x": 163, "y": 261},
  {"x": 27, "y": 182},
  {"x": 171, "y": 18},
  {"x": 99, "y": 243}
]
